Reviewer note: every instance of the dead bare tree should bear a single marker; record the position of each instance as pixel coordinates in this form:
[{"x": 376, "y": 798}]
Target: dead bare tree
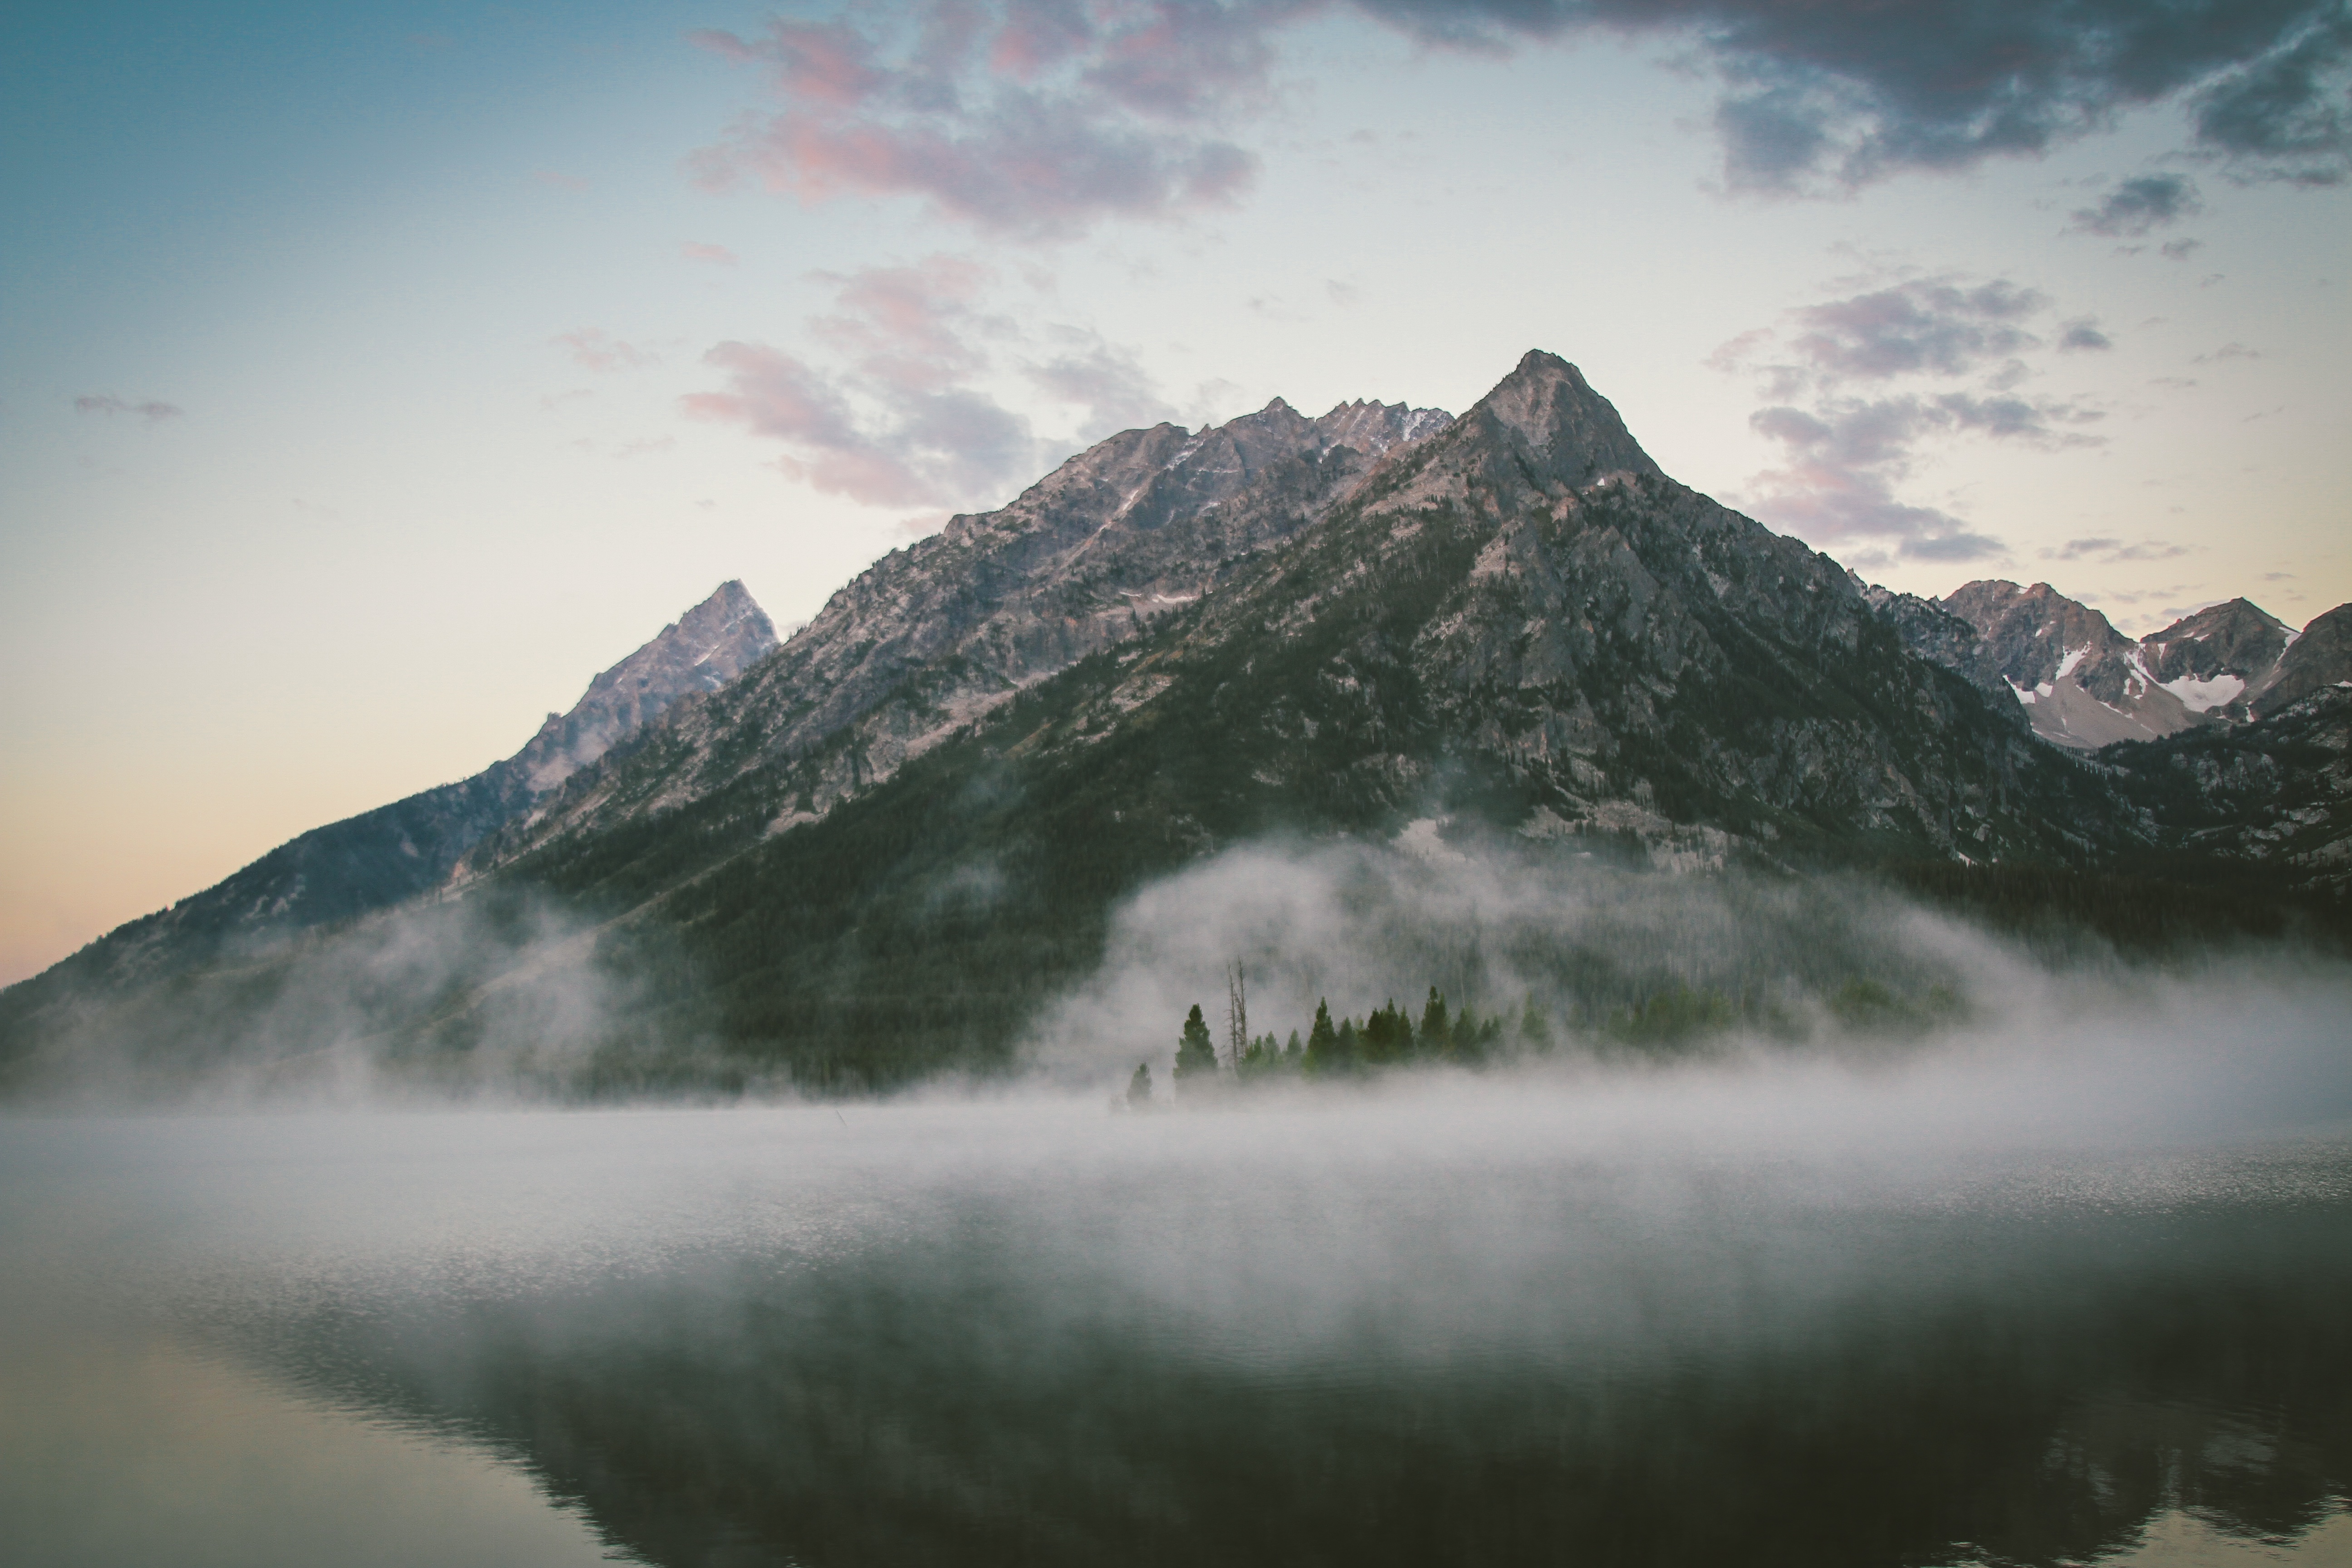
[{"x": 1236, "y": 1013}]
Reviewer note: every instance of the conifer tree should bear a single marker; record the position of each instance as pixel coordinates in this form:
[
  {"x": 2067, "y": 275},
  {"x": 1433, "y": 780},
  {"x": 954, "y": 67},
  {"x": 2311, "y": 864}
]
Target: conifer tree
[
  {"x": 1322, "y": 1041},
  {"x": 1196, "y": 1057},
  {"x": 1436, "y": 1038},
  {"x": 1535, "y": 1029},
  {"x": 1138, "y": 1088}
]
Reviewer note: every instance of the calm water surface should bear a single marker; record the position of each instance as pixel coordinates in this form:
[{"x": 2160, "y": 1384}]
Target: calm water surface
[{"x": 1746, "y": 1321}]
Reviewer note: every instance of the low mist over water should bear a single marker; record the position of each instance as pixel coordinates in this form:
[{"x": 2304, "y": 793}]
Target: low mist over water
[{"x": 2054, "y": 1295}]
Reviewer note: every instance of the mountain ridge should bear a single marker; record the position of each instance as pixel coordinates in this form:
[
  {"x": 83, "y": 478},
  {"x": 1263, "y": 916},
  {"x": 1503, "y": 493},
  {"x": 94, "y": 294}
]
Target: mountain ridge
[{"x": 886, "y": 843}]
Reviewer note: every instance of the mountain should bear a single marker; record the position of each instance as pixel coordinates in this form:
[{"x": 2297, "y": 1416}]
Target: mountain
[
  {"x": 937, "y": 634},
  {"x": 2318, "y": 657},
  {"x": 2084, "y": 684},
  {"x": 891, "y": 842},
  {"x": 1517, "y": 624},
  {"x": 2273, "y": 795},
  {"x": 395, "y": 852},
  {"x": 2211, "y": 659}
]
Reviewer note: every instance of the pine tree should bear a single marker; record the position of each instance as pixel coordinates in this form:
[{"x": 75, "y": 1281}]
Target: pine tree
[
  {"x": 1436, "y": 1038},
  {"x": 1322, "y": 1041},
  {"x": 1196, "y": 1058},
  {"x": 1138, "y": 1088},
  {"x": 1535, "y": 1029}
]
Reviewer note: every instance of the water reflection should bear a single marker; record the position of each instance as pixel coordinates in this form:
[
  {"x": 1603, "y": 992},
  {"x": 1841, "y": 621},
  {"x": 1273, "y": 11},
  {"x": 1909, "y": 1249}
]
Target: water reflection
[{"x": 977, "y": 1335}]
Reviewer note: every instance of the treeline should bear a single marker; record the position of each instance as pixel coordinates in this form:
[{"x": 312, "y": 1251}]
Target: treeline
[
  {"x": 1349, "y": 1047},
  {"x": 1670, "y": 1020}
]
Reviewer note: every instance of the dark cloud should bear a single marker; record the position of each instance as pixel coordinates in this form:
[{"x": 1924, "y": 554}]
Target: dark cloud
[
  {"x": 2182, "y": 249},
  {"x": 1845, "y": 91},
  {"x": 2136, "y": 206},
  {"x": 2288, "y": 115},
  {"x": 1040, "y": 117},
  {"x": 106, "y": 402}
]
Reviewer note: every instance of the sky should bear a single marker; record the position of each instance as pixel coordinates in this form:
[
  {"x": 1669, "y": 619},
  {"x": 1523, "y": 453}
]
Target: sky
[{"x": 372, "y": 377}]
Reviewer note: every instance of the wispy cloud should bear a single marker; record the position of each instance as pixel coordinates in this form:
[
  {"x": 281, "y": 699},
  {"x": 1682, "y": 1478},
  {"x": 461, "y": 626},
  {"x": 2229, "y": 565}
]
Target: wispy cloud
[
  {"x": 898, "y": 421},
  {"x": 107, "y": 403},
  {"x": 713, "y": 255},
  {"x": 1858, "y": 386},
  {"x": 2137, "y": 205},
  {"x": 1023, "y": 118},
  {"x": 892, "y": 399},
  {"x": 2108, "y": 552},
  {"x": 596, "y": 350}
]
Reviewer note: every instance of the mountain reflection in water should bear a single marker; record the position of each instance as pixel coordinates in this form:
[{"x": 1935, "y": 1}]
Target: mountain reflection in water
[{"x": 1478, "y": 1331}]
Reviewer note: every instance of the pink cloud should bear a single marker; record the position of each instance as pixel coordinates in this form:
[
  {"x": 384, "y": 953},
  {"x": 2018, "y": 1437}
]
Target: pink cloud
[
  {"x": 1031, "y": 118},
  {"x": 598, "y": 352},
  {"x": 905, "y": 324},
  {"x": 717, "y": 255}
]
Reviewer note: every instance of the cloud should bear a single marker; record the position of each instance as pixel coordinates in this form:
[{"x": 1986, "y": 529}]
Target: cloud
[
  {"x": 1040, "y": 117},
  {"x": 1939, "y": 326},
  {"x": 1841, "y": 92},
  {"x": 906, "y": 326},
  {"x": 2140, "y": 205},
  {"x": 2228, "y": 351},
  {"x": 901, "y": 420},
  {"x": 106, "y": 402},
  {"x": 2285, "y": 116},
  {"x": 597, "y": 351},
  {"x": 2182, "y": 249},
  {"x": 2082, "y": 334},
  {"x": 1025, "y": 118},
  {"x": 2108, "y": 552},
  {"x": 715, "y": 255},
  {"x": 1845, "y": 454},
  {"x": 1111, "y": 386},
  {"x": 1844, "y": 459}
]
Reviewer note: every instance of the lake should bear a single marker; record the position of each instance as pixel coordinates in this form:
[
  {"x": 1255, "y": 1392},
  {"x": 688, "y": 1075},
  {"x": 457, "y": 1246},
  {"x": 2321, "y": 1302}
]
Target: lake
[{"x": 1957, "y": 1310}]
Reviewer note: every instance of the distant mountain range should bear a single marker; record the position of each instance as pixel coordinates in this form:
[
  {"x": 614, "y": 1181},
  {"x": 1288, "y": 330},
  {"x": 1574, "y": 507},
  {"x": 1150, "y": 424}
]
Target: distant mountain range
[
  {"x": 2085, "y": 685},
  {"x": 879, "y": 847}
]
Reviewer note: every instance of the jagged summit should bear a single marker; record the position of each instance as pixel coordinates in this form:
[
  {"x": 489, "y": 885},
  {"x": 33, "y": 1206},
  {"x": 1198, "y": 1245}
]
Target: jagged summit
[
  {"x": 1575, "y": 433},
  {"x": 380, "y": 857},
  {"x": 704, "y": 649}
]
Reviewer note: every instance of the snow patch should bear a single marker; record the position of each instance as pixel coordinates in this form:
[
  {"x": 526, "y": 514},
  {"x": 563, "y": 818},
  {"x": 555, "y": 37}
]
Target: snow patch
[{"x": 2204, "y": 696}]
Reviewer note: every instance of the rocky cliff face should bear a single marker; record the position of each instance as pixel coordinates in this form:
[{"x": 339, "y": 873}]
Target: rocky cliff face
[
  {"x": 2273, "y": 794},
  {"x": 933, "y": 637},
  {"x": 2315, "y": 658}
]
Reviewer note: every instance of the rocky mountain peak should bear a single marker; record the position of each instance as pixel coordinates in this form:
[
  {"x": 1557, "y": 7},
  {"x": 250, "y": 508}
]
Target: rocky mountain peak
[
  {"x": 2318, "y": 657},
  {"x": 1570, "y": 433},
  {"x": 2213, "y": 656},
  {"x": 708, "y": 646}
]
